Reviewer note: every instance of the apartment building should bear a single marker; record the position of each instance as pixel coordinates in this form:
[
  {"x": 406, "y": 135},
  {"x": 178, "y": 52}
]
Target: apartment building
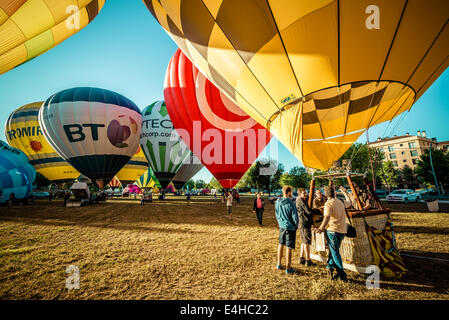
[
  {"x": 444, "y": 145},
  {"x": 405, "y": 150}
]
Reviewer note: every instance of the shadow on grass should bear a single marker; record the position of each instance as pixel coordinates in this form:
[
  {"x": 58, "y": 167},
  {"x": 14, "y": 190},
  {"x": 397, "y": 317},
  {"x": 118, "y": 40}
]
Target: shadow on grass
[
  {"x": 414, "y": 207},
  {"x": 129, "y": 215},
  {"x": 421, "y": 229},
  {"x": 424, "y": 274}
]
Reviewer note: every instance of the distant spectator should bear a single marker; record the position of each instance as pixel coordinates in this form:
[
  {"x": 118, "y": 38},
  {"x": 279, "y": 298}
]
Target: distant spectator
[
  {"x": 258, "y": 207},
  {"x": 12, "y": 198},
  {"x": 229, "y": 204}
]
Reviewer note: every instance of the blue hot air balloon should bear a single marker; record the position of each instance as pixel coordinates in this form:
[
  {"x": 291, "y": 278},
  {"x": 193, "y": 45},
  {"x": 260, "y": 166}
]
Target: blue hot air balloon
[
  {"x": 16, "y": 173},
  {"x": 96, "y": 130}
]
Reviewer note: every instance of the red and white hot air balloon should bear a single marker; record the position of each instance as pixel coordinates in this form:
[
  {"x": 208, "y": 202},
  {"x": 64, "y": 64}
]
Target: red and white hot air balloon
[{"x": 219, "y": 133}]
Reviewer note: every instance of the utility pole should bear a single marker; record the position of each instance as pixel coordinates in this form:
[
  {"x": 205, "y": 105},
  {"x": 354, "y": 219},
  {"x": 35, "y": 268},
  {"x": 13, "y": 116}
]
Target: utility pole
[
  {"x": 433, "y": 170},
  {"x": 371, "y": 161}
]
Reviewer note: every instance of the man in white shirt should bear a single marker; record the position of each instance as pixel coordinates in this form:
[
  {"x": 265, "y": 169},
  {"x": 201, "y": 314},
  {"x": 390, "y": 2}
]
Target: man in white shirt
[
  {"x": 334, "y": 223},
  {"x": 229, "y": 204}
]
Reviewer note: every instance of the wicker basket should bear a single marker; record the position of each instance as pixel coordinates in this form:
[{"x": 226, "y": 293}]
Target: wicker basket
[{"x": 355, "y": 252}]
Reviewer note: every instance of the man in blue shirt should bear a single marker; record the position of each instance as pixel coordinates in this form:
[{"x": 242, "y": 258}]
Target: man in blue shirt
[{"x": 287, "y": 218}]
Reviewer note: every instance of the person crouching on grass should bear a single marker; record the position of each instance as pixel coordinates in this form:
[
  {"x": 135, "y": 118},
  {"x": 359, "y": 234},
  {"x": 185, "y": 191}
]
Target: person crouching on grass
[
  {"x": 334, "y": 225},
  {"x": 305, "y": 227},
  {"x": 287, "y": 218}
]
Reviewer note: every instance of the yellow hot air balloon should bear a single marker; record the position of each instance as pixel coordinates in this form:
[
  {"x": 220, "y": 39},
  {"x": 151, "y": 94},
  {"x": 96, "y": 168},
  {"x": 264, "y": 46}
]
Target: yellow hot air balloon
[
  {"x": 23, "y": 132},
  {"x": 316, "y": 73},
  {"x": 134, "y": 168},
  {"x": 28, "y": 28},
  {"x": 147, "y": 180}
]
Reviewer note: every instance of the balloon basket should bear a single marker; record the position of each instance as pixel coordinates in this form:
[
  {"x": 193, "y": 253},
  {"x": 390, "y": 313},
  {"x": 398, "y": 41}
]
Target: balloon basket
[{"x": 355, "y": 252}]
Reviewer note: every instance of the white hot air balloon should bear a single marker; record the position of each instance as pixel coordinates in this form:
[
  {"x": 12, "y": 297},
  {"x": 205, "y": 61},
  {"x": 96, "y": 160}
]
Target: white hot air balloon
[{"x": 95, "y": 130}]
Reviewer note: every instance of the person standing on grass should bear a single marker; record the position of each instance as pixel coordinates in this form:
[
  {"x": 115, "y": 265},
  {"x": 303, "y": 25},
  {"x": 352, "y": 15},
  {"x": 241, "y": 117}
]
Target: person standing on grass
[
  {"x": 142, "y": 199},
  {"x": 334, "y": 226},
  {"x": 229, "y": 204},
  {"x": 237, "y": 196},
  {"x": 287, "y": 218},
  {"x": 305, "y": 227},
  {"x": 258, "y": 207}
]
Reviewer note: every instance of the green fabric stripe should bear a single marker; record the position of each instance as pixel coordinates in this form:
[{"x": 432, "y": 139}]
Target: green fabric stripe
[
  {"x": 151, "y": 151},
  {"x": 162, "y": 152}
]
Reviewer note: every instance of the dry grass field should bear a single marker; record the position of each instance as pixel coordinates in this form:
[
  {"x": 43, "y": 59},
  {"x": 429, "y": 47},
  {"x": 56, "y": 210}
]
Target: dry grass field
[{"x": 178, "y": 250}]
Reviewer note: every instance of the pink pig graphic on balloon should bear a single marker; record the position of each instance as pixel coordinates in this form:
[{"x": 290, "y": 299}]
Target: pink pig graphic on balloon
[{"x": 118, "y": 133}]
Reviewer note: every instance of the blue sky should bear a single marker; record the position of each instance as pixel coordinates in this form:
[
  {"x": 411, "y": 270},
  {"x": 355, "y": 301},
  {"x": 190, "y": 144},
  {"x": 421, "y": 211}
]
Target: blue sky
[{"x": 125, "y": 50}]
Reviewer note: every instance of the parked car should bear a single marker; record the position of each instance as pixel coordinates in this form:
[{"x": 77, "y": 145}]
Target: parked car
[
  {"x": 273, "y": 199},
  {"x": 381, "y": 193},
  {"x": 41, "y": 194},
  {"x": 403, "y": 195}
]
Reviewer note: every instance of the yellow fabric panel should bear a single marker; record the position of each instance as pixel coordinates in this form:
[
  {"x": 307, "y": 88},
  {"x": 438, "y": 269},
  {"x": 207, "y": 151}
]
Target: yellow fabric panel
[
  {"x": 58, "y": 8},
  {"x": 429, "y": 65},
  {"x": 372, "y": 45},
  {"x": 101, "y": 4},
  {"x": 83, "y": 3},
  {"x": 259, "y": 98},
  {"x": 39, "y": 44},
  {"x": 360, "y": 120},
  {"x": 130, "y": 174},
  {"x": 10, "y": 36},
  {"x": 273, "y": 54},
  {"x": 338, "y": 146},
  {"x": 250, "y": 110},
  {"x": 321, "y": 154},
  {"x": 3, "y": 16},
  {"x": 333, "y": 120},
  {"x": 213, "y": 6},
  {"x": 33, "y": 18},
  {"x": 439, "y": 71},
  {"x": 414, "y": 38},
  {"x": 172, "y": 9},
  {"x": 286, "y": 12},
  {"x": 13, "y": 58},
  {"x": 287, "y": 128},
  {"x": 387, "y": 110},
  {"x": 223, "y": 57},
  {"x": 200, "y": 62},
  {"x": 313, "y": 49},
  {"x": 59, "y": 173},
  {"x": 312, "y": 131},
  {"x": 61, "y": 32},
  {"x": 160, "y": 13}
]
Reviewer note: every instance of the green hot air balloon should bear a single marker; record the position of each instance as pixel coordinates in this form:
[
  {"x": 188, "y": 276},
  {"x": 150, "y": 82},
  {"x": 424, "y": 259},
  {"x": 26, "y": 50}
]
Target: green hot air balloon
[{"x": 161, "y": 144}]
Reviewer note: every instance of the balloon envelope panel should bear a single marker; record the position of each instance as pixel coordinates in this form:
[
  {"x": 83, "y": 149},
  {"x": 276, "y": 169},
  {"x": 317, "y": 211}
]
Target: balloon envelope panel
[
  {"x": 134, "y": 168},
  {"x": 95, "y": 130},
  {"x": 16, "y": 174},
  {"x": 187, "y": 172},
  {"x": 22, "y": 131},
  {"x": 28, "y": 28},
  {"x": 315, "y": 73}
]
